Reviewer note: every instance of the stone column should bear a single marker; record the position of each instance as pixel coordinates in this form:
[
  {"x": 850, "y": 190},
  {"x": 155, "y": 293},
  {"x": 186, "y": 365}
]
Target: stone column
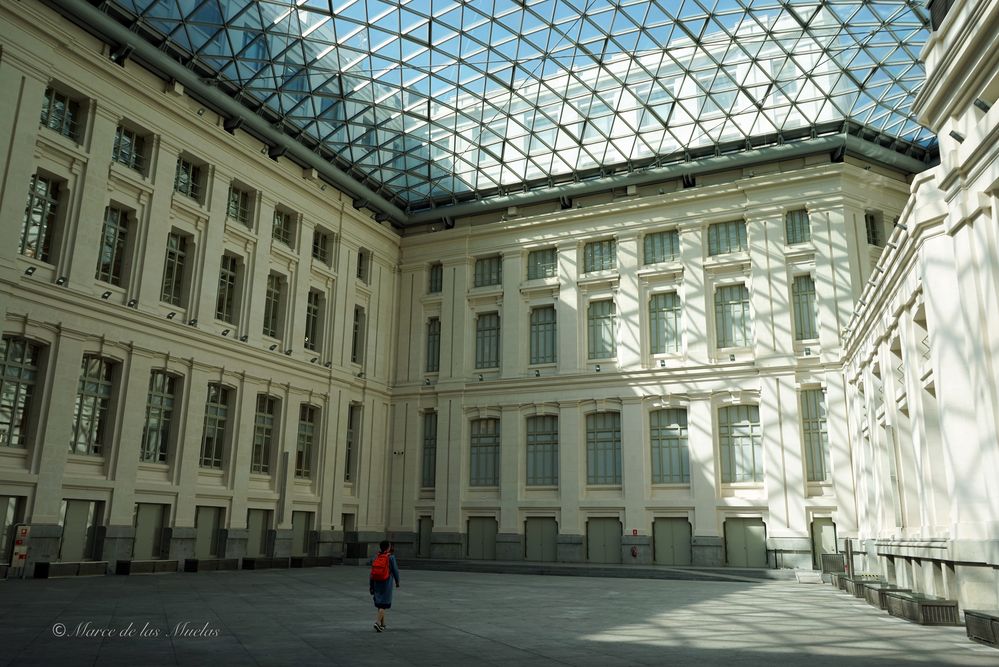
[
  {"x": 636, "y": 480},
  {"x": 447, "y": 537},
  {"x": 770, "y": 291},
  {"x": 258, "y": 267},
  {"x": 706, "y": 541},
  {"x": 188, "y": 461},
  {"x": 629, "y": 310},
  {"x": 509, "y": 540},
  {"x": 571, "y": 474},
  {"x": 513, "y": 319},
  {"x": 455, "y": 321},
  {"x": 838, "y": 278},
  {"x": 163, "y": 169},
  {"x": 567, "y": 314},
  {"x": 212, "y": 243},
  {"x": 696, "y": 299}
]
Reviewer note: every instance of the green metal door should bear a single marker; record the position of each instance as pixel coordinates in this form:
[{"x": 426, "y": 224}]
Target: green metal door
[
  {"x": 603, "y": 540},
  {"x": 482, "y": 538},
  {"x": 148, "y": 530},
  {"x": 426, "y": 531},
  {"x": 745, "y": 543},
  {"x": 671, "y": 541},
  {"x": 257, "y": 523},
  {"x": 207, "y": 521},
  {"x": 301, "y": 524},
  {"x": 823, "y": 540},
  {"x": 540, "y": 535},
  {"x": 77, "y": 530}
]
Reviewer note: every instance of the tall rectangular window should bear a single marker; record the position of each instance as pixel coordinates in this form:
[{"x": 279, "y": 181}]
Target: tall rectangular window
[
  {"x": 803, "y": 298},
  {"x": 600, "y": 255},
  {"x": 724, "y": 237},
  {"x": 114, "y": 241},
  {"x": 740, "y": 441},
  {"x": 815, "y": 437},
  {"x": 351, "y": 441},
  {"x": 225, "y": 302},
  {"x": 732, "y": 323},
  {"x": 93, "y": 402},
  {"x": 542, "y": 450},
  {"x": 321, "y": 245},
  {"x": 358, "y": 336},
  {"x": 313, "y": 319},
  {"x": 488, "y": 271},
  {"x": 544, "y": 339},
  {"x": 661, "y": 247},
  {"x": 61, "y": 114},
  {"x": 187, "y": 179},
  {"x": 364, "y": 266},
  {"x": 39, "y": 218},
  {"x": 542, "y": 264},
  {"x": 283, "y": 229},
  {"x": 272, "y": 305},
  {"x": 433, "y": 344},
  {"x": 487, "y": 340},
  {"x": 603, "y": 448},
  {"x": 19, "y": 360},
  {"x": 797, "y": 227},
  {"x": 670, "y": 456},
  {"x": 436, "y": 278},
  {"x": 484, "y": 454},
  {"x": 159, "y": 417},
  {"x": 664, "y": 323},
  {"x": 216, "y": 423},
  {"x": 263, "y": 434},
  {"x": 174, "y": 267},
  {"x": 428, "y": 478},
  {"x": 238, "y": 207},
  {"x": 601, "y": 320},
  {"x": 874, "y": 228},
  {"x": 307, "y": 418},
  {"x": 129, "y": 149}
]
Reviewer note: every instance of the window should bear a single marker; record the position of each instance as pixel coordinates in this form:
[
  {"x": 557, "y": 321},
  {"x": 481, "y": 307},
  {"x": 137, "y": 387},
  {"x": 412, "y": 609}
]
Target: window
[
  {"x": 732, "y": 323},
  {"x": 739, "y": 440},
  {"x": 216, "y": 416},
  {"x": 364, "y": 266},
  {"x": 93, "y": 401},
  {"x": 542, "y": 264},
  {"x": 187, "y": 179},
  {"x": 313, "y": 319},
  {"x": 815, "y": 438},
  {"x": 19, "y": 361},
  {"x": 238, "y": 208},
  {"x": 129, "y": 149},
  {"x": 485, "y": 453},
  {"x": 225, "y": 303},
  {"x": 542, "y": 450},
  {"x": 875, "y": 230},
  {"x": 114, "y": 241},
  {"x": 670, "y": 456},
  {"x": 803, "y": 297},
  {"x": 263, "y": 434},
  {"x": 283, "y": 229},
  {"x": 544, "y": 339},
  {"x": 173, "y": 269},
  {"x": 429, "y": 476},
  {"x": 662, "y": 247},
  {"x": 488, "y": 271},
  {"x": 40, "y": 218},
  {"x": 321, "y": 246},
  {"x": 664, "y": 323},
  {"x": 603, "y": 448},
  {"x": 726, "y": 237},
  {"x": 601, "y": 318},
  {"x": 487, "y": 340},
  {"x": 159, "y": 417},
  {"x": 307, "y": 417},
  {"x": 797, "y": 228},
  {"x": 433, "y": 345},
  {"x": 352, "y": 441},
  {"x": 600, "y": 256},
  {"x": 357, "y": 340},
  {"x": 272, "y": 305},
  {"x": 61, "y": 114},
  {"x": 436, "y": 283}
]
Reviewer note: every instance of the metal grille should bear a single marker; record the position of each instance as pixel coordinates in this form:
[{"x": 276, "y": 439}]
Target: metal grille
[
  {"x": 670, "y": 456},
  {"x": 542, "y": 450},
  {"x": 93, "y": 399},
  {"x": 542, "y": 263},
  {"x": 661, "y": 247},
  {"x": 321, "y": 246},
  {"x": 114, "y": 240},
  {"x": 19, "y": 360},
  {"x": 740, "y": 444},
  {"x": 664, "y": 323},
  {"x": 544, "y": 341},
  {"x": 797, "y": 227},
  {"x": 601, "y": 318},
  {"x": 874, "y": 228},
  {"x": 725, "y": 237},
  {"x": 238, "y": 208},
  {"x": 487, "y": 340},
  {"x": 187, "y": 179},
  {"x": 484, "y": 454},
  {"x": 732, "y": 322},
  {"x": 603, "y": 448},
  {"x": 488, "y": 271},
  {"x": 600, "y": 255},
  {"x": 283, "y": 228},
  {"x": 803, "y": 296},
  {"x": 129, "y": 149},
  {"x": 159, "y": 417},
  {"x": 61, "y": 114}
]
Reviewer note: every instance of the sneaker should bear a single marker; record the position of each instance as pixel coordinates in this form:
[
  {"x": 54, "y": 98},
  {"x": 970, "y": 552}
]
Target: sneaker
[
  {"x": 383, "y": 628},
  {"x": 379, "y": 628}
]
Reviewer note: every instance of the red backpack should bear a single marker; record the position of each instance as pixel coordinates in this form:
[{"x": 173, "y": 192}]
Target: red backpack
[{"x": 380, "y": 567}]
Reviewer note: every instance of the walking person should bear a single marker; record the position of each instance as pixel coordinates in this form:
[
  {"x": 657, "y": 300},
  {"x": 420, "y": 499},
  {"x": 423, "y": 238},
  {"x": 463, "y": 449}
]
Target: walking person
[{"x": 383, "y": 570}]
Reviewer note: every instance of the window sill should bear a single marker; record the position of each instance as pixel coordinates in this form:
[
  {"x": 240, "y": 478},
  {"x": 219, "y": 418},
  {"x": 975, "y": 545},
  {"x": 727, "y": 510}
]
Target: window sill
[{"x": 133, "y": 177}]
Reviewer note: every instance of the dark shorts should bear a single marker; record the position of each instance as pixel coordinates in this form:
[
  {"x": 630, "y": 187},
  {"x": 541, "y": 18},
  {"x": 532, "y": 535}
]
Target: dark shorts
[{"x": 383, "y": 605}]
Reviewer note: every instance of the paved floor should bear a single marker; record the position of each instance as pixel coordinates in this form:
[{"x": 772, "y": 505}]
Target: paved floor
[{"x": 324, "y": 616}]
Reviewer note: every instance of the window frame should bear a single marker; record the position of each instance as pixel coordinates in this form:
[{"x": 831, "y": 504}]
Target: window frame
[
  {"x": 727, "y": 237},
  {"x": 96, "y": 390},
  {"x": 660, "y": 247},
  {"x": 23, "y": 372},
  {"x": 487, "y": 340},
  {"x": 40, "y": 221},
  {"x": 597, "y": 325},
  {"x": 729, "y": 340},
  {"x": 600, "y": 255},
  {"x": 731, "y": 435},
  {"x": 215, "y": 432},
  {"x": 541, "y": 447},
  {"x": 483, "y": 454},
  {"x": 669, "y": 446},
  {"x": 603, "y": 449},
  {"x": 165, "y": 398},
  {"x": 115, "y": 239},
  {"x": 488, "y": 271},
  {"x": 542, "y": 263}
]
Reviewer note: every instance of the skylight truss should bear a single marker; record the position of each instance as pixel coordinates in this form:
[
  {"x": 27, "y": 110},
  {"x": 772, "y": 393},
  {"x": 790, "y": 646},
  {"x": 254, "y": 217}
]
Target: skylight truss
[{"x": 433, "y": 102}]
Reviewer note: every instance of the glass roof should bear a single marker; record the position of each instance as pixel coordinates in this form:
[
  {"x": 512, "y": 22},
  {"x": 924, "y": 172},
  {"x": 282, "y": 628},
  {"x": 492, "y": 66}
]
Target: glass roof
[{"x": 431, "y": 102}]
